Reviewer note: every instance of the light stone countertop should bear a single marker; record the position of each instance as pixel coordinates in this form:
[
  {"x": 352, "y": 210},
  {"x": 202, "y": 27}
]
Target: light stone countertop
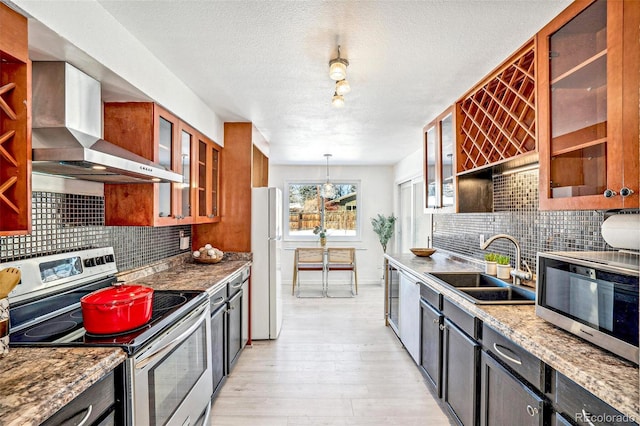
[
  {"x": 36, "y": 382},
  {"x": 610, "y": 378}
]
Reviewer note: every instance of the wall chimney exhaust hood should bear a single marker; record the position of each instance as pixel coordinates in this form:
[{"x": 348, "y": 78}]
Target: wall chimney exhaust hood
[{"x": 66, "y": 129}]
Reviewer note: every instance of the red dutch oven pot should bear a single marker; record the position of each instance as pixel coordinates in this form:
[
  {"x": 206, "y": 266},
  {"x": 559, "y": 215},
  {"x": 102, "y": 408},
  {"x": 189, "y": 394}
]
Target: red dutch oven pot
[{"x": 116, "y": 309}]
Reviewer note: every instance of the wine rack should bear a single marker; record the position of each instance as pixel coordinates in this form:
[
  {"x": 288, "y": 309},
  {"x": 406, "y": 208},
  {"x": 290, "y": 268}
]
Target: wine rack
[
  {"x": 15, "y": 138},
  {"x": 497, "y": 120}
]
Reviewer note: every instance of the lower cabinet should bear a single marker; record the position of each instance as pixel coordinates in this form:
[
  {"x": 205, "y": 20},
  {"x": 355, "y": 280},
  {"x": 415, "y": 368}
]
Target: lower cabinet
[
  {"x": 431, "y": 344},
  {"x": 460, "y": 375},
  {"x": 234, "y": 325},
  {"x": 218, "y": 342},
  {"x": 97, "y": 405},
  {"x": 507, "y": 400}
]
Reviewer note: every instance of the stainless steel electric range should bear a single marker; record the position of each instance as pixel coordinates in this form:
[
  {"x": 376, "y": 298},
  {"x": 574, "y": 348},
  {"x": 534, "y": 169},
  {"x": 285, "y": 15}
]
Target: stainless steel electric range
[{"x": 167, "y": 373}]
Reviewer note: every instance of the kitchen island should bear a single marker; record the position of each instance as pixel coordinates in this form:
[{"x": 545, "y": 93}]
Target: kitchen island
[
  {"x": 608, "y": 377},
  {"x": 36, "y": 382}
]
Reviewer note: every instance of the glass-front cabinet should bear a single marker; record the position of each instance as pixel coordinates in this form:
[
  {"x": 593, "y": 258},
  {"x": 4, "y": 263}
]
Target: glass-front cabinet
[
  {"x": 439, "y": 162},
  {"x": 588, "y": 107},
  {"x": 208, "y": 166}
]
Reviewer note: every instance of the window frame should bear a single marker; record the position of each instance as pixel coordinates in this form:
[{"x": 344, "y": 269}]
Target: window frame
[{"x": 287, "y": 235}]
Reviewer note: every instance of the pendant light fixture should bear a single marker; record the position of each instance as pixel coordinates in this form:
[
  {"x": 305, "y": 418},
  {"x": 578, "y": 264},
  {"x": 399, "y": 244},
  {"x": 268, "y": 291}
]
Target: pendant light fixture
[
  {"x": 328, "y": 190},
  {"x": 338, "y": 67},
  {"x": 338, "y": 72}
]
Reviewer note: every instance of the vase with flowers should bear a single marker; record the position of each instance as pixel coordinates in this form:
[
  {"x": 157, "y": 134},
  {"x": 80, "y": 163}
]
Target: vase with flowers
[{"x": 322, "y": 233}]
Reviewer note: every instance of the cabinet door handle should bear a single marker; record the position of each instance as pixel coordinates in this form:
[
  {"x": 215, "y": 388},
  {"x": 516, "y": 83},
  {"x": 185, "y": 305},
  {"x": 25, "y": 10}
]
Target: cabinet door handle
[
  {"x": 442, "y": 327},
  {"x": 532, "y": 411},
  {"x": 625, "y": 192},
  {"x": 586, "y": 416},
  {"x": 436, "y": 321},
  {"x": 609, "y": 193},
  {"x": 505, "y": 356}
]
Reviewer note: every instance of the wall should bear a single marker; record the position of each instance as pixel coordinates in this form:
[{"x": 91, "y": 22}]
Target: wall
[
  {"x": 515, "y": 213},
  {"x": 376, "y": 196},
  {"x": 67, "y": 222}
]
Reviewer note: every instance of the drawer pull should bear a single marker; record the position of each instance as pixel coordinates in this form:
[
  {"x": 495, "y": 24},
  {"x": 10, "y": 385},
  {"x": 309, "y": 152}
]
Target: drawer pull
[
  {"x": 442, "y": 327},
  {"x": 505, "y": 356},
  {"x": 586, "y": 416},
  {"x": 219, "y": 301},
  {"x": 436, "y": 320},
  {"x": 532, "y": 411}
]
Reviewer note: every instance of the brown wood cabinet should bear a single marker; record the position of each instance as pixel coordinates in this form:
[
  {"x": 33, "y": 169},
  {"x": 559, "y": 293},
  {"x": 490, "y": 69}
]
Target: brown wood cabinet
[
  {"x": 15, "y": 124},
  {"x": 496, "y": 120},
  {"x": 208, "y": 161},
  {"x": 588, "y": 71},
  {"x": 237, "y": 175},
  {"x": 439, "y": 162},
  {"x": 149, "y": 130}
]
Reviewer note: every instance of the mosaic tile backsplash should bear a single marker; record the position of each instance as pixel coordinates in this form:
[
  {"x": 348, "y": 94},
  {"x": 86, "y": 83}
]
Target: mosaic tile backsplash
[
  {"x": 68, "y": 222},
  {"x": 516, "y": 213}
]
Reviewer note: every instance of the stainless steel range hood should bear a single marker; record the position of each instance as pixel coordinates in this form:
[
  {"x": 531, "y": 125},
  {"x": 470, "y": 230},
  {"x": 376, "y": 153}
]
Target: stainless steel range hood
[{"x": 66, "y": 129}]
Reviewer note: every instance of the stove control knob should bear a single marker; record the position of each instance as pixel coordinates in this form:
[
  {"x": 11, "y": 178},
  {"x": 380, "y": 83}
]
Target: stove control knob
[
  {"x": 109, "y": 258},
  {"x": 100, "y": 260},
  {"x": 89, "y": 262}
]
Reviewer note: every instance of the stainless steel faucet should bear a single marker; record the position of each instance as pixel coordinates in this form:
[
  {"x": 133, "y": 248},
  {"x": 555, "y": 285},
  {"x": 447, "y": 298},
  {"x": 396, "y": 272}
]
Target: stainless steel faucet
[{"x": 517, "y": 273}]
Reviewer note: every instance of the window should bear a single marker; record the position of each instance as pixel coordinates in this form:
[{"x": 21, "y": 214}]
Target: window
[{"x": 307, "y": 210}]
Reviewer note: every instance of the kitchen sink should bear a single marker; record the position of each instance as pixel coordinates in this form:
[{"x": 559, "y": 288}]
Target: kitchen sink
[
  {"x": 469, "y": 279},
  {"x": 483, "y": 289}
]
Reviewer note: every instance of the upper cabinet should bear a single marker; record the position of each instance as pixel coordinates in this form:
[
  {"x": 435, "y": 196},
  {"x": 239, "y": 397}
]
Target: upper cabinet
[
  {"x": 208, "y": 159},
  {"x": 439, "y": 161},
  {"x": 148, "y": 130},
  {"x": 588, "y": 106},
  {"x": 497, "y": 118},
  {"x": 15, "y": 124}
]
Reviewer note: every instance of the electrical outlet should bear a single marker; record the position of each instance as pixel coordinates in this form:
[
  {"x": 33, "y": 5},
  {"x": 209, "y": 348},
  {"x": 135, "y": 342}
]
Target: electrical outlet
[
  {"x": 184, "y": 243},
  {"x": 481, "y": 239}
]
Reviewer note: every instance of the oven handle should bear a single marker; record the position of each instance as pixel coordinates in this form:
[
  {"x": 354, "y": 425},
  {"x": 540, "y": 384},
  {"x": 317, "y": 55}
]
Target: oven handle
[{"x": 169, "y": 346}]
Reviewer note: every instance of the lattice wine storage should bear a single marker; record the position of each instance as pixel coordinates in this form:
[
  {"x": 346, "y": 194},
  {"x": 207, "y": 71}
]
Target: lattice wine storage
[
  {"x": 497, "y": 120},
  {"x": 15, "y": 141}
]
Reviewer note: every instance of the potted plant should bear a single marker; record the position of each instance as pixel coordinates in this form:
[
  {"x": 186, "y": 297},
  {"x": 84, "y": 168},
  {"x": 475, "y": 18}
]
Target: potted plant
[
  {"x": 322, "y": 233},
  {"x": 383, "y": 226},
  {"x": 503, "y": 267},
  {"x": 490, "y": 263}
]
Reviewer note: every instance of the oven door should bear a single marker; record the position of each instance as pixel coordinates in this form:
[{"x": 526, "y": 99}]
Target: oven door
[{"x": 172, "y": 379}]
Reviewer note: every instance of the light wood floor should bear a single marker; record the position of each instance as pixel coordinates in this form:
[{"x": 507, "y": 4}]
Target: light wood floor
[{"x": 335, "y": 363}]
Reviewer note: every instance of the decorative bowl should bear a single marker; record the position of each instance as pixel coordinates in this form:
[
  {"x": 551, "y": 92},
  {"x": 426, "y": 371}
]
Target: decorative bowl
[
  {"x": 423, "y": 252},
  {"x": 207, "y": 260}
]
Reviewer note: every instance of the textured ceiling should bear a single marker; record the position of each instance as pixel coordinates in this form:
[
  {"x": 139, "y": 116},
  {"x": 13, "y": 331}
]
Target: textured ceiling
[{"x": 267, "y": 62}]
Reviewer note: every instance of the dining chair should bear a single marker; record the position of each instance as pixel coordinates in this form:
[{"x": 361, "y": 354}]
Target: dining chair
[
  {"x": 308, "y": 259},
  {"x": 342, "y": 259}
]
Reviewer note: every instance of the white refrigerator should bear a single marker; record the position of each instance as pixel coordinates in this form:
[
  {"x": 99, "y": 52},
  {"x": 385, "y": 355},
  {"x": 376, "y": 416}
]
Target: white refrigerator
[{"x": 266, "y": 273}]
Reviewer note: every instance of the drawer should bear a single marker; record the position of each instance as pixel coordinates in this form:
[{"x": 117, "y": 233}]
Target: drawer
[
  {"x": 218, "y": 299},
  {"x": 515, "y": 357},
  {"x": 582, "y": 406},
  {"x": 430, "y": 295},
  {"x": 464, "y": 320},
  {"x": 92, "y": 404},
  {"x": 235, "y": 285}
]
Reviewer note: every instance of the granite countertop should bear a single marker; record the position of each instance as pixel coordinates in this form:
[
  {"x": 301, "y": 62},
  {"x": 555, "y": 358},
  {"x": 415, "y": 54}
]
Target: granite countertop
[
  {"x": 610, "y": 378},
  {"x": 37, "y": 382},
  {"x": 184, "y": 274}
]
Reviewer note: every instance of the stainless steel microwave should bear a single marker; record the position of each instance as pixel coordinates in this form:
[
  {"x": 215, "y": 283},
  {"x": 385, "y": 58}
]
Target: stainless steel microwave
[{"x": 593, "y": 295}]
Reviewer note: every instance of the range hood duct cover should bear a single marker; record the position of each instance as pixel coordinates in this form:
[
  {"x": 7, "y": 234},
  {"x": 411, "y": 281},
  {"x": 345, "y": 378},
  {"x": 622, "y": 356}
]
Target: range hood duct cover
[{"x": 66, "y": 129}]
